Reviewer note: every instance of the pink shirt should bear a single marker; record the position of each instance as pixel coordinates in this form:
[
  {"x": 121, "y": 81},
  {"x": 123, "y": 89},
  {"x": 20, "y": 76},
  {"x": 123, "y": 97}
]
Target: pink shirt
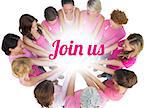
[
  {"x": 27, "y": 53},
  {"x": 53, "y": 28},
  {"x": 127, "y": 63},
  {"x": 74, "y": 101},
  {"x": 111, "y": 92},
  {"x": 110, "y": 35},
  {"x": 42, "y": 42},
  {"x": 90, "y": 27}
]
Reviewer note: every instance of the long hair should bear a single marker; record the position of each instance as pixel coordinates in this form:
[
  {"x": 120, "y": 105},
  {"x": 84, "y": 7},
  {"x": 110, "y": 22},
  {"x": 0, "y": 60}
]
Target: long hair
[
  {"x": 25, "y": 25},
  {"x": 137, "y": 41}
]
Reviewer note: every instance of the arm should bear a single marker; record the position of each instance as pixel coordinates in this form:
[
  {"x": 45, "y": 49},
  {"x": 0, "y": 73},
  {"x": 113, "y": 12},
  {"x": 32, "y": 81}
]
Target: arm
[
  {"x": 46, "y": 33},
  {"x": 61, "y": 18},
  {"x": 111, "y": 48},
  {"x": 43, "y": 62},
  {"x": 77, "y": 20},
  {"x": 100, "y": 85},
  {"x": 35, "y": 80},
  {"x": 98, "y": 27},
  {"x": 71, "y": 85},
  {"x": 36, "y": 51},
  {"x": 111, "y": 62},
  {"x": 88, "y": 81},
  {"x": 31, "y": 44},
  {"x": 104, "y": 69}
]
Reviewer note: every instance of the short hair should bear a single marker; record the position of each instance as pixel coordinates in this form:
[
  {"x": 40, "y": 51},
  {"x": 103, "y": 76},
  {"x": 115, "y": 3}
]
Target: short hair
[
  {"x": 119, "y": 17},
  {"x": 21, "y": 66},
  {"x": 125, "y": 78},
  {"x": 43, "y": 92},
  {"x": 67, "y": 2},
  {"x": 9, "y": 41},
  {"x": 94, "y": 5},
  {"x": 50, "y": 13}
]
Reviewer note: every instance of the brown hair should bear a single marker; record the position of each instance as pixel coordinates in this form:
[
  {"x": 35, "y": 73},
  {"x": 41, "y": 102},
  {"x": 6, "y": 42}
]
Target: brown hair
[
  {"x": 125, "y": 78},
  {"x": 43, "y": 92},
  {"x": 135, "y": 40},
  {"x": 21, "y": 66},
  {"x": 25, "y": 25},
  {"x": 119, "y": 17}
]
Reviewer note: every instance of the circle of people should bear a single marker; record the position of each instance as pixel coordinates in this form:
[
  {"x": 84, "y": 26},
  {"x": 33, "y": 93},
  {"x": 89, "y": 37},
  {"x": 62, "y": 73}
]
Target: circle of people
[{"x": 29, "y": 54}]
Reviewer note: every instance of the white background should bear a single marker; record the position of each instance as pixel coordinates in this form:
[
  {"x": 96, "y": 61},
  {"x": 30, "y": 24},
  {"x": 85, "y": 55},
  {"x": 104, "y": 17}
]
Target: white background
[{"x": 13, "y": 94}]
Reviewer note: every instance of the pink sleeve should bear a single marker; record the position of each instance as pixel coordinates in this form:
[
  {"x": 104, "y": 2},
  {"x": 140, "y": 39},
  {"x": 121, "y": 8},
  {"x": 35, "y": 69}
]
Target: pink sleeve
[
  {"x": 112, "y": 94},
  {"x": 70, "y": 102},
  {"x": 128, "y": 63},
  {"x": 102, "y": 30}
]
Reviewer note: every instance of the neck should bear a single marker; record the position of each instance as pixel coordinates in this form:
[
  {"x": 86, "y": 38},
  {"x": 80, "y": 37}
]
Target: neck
[{"x": 122, "y": 90}]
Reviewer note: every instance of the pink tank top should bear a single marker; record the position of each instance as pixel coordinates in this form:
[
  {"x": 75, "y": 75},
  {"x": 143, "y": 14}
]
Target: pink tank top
[
  {"x": 42, "y": 42},
  {"x": 53, "y": 28},
  {"x": 88, "y": 26}
]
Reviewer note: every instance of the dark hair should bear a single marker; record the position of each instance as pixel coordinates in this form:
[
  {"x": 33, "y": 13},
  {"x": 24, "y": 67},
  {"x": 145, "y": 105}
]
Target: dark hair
[
  {"x": 25, "y": 24},
  {"x": 50, "y": 13},
  {"x": 125, "y": 78},
  {"x": 9, "y": 41},
  {"x": 43, "y": 93},
  {"x": 67, "y": 2},
  {"x": 119, "y": 17}
]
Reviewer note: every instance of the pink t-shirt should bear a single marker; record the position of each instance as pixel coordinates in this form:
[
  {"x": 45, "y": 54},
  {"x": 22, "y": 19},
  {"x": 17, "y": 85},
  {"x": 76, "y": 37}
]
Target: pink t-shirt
[
  {"x": 114, "y": 56},
  {"x": 27, "y": 53},
  {"x": 111, "y": 92},
  {"x": 74, "y": 101},
  {"x": 42, "y": 42},
  {"x": 110, "y": 35},
  {"x": 53, "y": 28}
]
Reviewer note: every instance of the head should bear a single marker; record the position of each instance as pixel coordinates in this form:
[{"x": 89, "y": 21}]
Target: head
[
  {"x": 12, "y": 44},
  {"x": 90, "y": 98},
  {"x": 44, "y": 93},
  {"x": 51, "y": 15},
  {"x": 125, "y": 78},
  {"x": 133, "y": 45},
  {"x": 28, "y": 25},
  {"x": 68, "y": 6},
  {"x": 21, "y": 67},
  {"x": 94, "y": 7},
  {"x": 118, "y": 18}
]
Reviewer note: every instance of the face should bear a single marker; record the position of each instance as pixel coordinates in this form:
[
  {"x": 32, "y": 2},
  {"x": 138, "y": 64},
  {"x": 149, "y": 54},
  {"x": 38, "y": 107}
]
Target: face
[
  {"x": 54, "y": 21},
  {"x": 92, "y": 12},
  {"x": 68, "y": 8},
  {"x": 34, "y": 27},
  {"x": 127, "y": 46},
  {"x": 18, "y": 48}
]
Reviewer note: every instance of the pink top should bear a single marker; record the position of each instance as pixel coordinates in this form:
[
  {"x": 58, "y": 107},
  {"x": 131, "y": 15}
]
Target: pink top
[
  {"x": 74, "y": 101},
  {"x": 53, "y": 28},
  {"x": 27, "y": 53},
  {"x": 110, "y": 35},
  {"x": 111, "y": 92},
  {"x": 114, "y": 55},
  {"x": 42, "y": 42},
  {"x": 89, "y": 27}
]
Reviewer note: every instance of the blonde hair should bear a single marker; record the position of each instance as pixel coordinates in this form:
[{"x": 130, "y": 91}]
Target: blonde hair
[
  {"x": 137, "y": 41},
  {"x": 21, "y": 66},
  {"x": 94, "y": 5}
]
